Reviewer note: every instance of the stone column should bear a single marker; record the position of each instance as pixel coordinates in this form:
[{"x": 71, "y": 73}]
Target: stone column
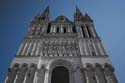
[
  {"x": 109, "y": 74},
  {"x": 20, "y": 49},
  {"x": 21, "y": 74},
  {"x": 99, "y": 74},
  {"x": 89, "y": 31},
  {"x": 41, "y": 74},
  {"x": 61, "y": 29},
  {"x": 12, "y": 73},
  {"x": 94, "y": 31},
  {"x": 30, "y": 74}
]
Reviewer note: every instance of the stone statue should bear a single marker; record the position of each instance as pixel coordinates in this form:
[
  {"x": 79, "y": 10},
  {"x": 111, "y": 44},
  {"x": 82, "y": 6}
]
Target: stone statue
[
  {"x": 30, "y": 74},
  {"x": 21, "y": 74},
  {"x": 90, "y": 74},
  {"x": 109, "y": 74},
  {"x": 99, "y": 74},
  {"x": 12, "y": 74},
  {"x": 41, "y": 74}
]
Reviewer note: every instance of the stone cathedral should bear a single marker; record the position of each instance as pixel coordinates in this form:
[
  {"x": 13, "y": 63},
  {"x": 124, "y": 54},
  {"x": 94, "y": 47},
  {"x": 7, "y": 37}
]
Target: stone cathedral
[{"x": 61, "y": 51}]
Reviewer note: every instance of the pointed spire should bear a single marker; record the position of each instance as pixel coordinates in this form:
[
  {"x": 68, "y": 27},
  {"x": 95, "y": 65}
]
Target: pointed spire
[
  {"x": 87, "y": 17},
  {"x": 78, "y": 15},
  {"x": 46, "y": 12},
  {"x": 78, "y": 10}
]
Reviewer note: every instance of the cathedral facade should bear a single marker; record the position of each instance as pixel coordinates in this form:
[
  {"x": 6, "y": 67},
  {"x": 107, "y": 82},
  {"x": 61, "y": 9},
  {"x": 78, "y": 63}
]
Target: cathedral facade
[{"x": 61, "y": 51}]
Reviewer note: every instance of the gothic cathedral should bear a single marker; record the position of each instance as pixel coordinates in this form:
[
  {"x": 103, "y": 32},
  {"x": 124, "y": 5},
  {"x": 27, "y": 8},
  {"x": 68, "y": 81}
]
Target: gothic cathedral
[{"x": 61, "y": 51}]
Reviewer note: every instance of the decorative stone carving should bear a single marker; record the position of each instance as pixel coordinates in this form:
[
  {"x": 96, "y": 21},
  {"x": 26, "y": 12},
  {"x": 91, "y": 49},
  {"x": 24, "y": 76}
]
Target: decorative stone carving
[
  {"x": 59, "y": 48},
  {"x": 30, "y": 74},
  {"x": 22, "y": 73},
  {"x": 99, "y": 74},
  {"x": 89, "y": 71},
  {"x": 41, "y": 74},
  {"x": 109, "y": 74},
  {"x": 12, "y": 73}
]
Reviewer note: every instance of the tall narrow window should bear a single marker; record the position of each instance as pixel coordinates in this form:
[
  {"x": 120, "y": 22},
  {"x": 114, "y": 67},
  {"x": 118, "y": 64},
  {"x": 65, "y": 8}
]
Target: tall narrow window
[
  {"x": 64, "y": 29},
  {"x": 48, "y": 28},
  {"x": 57, "y": 29},
  {"x": 74, "y": 29},
  {"x": 83, "y": 32},
  {"x": 89, "y": 31},
  {"x": 30, "y": 49}
]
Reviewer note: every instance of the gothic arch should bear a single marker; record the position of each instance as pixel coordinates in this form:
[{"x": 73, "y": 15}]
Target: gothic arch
[
  {"x": 98, "y": 65},
  {"x": 107, "y": 65},
  {"x": 24, "y": 65},
  {"x": 62, "y": 63},
  {"x": 16, "y": 65},
  {"x": 88, "y": 65}
]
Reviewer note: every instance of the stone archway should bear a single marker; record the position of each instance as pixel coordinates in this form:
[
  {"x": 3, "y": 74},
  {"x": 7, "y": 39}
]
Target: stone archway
[
  {"x": 59, "y": 66},
  {"x": 60, "y": 74}
]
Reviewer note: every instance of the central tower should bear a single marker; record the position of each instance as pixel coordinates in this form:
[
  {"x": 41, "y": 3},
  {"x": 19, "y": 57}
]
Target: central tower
[{"x": 61, "y": 51}]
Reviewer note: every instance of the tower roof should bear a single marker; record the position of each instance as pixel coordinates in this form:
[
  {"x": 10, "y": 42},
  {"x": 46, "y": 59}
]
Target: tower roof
[
  {"x": 46, "y": 12},
  {"x": 78, "y": 11}
]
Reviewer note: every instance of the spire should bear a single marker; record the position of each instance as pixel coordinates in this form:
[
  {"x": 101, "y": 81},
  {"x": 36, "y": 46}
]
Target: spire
[
  {"x": 78, "y": 10},
  {"x": 43, "y": 17},
  {"x": 87, "y": 17},
  {"x": 78, "y": 15},
  {"x": 46, "y": 12}
]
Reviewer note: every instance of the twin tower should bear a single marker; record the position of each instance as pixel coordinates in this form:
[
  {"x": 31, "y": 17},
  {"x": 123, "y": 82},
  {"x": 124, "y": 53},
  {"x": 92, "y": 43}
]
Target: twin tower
[{"x": 61, "y": 51}]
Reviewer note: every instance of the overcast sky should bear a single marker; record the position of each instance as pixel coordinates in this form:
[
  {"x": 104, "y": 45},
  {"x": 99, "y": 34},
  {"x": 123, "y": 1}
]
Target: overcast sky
[{"x": 108, "y": 16}]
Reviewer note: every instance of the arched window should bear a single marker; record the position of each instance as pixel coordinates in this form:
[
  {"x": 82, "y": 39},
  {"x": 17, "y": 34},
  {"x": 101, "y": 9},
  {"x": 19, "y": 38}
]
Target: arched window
[{"x": 48, "y": 28}]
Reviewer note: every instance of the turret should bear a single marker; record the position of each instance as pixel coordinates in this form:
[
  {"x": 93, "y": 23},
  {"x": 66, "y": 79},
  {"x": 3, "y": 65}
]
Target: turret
[
  {"x": 78, "y": 15},
  {"x": 40, "y": 23},
  {"x": 44, "y": 17},
  {"x": 84, "y": 25}
]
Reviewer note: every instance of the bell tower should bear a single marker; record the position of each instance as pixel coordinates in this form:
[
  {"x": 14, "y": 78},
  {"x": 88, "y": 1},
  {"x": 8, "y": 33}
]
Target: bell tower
[{"x": 61, "y": 51}]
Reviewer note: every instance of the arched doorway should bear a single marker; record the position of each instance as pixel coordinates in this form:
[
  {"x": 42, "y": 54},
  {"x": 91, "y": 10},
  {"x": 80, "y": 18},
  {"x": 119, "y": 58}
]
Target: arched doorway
[{"x": 60, "y": 74}]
